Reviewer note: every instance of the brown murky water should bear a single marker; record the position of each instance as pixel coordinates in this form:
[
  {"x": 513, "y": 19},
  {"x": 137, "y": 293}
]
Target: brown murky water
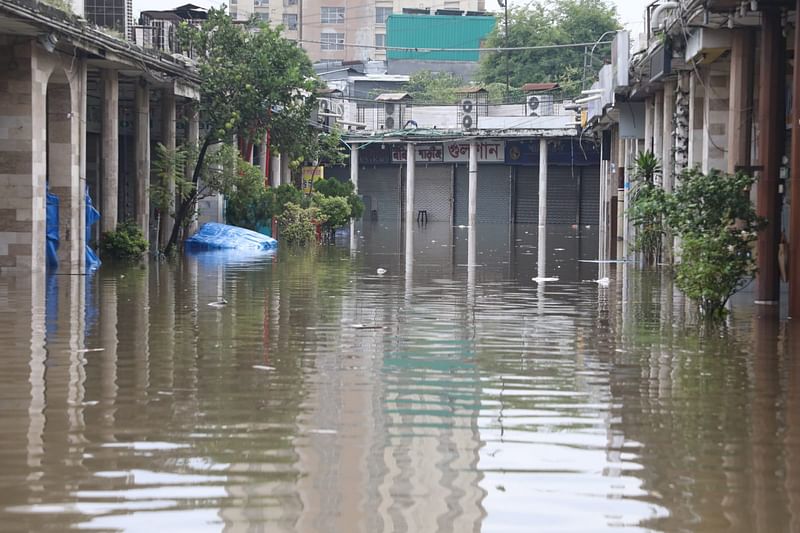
[{"x": 325, "y": 397}]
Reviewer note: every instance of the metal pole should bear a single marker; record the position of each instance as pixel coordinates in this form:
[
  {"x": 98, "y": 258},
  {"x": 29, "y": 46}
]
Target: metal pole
[
  {"x": 473, "y": 182},
  {"x": 508, "y": 73},
  {"x": 542, "y": 183}
]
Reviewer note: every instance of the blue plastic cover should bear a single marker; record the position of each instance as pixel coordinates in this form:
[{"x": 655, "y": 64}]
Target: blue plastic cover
[
  {"x": 92, "y": 216},
  {"x": 214, "y": 236},
  {"x": 52, "y": 231}
]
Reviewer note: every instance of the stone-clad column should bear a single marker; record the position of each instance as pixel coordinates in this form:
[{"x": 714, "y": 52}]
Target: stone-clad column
[
  {"x": 142, "y": 113},
  {"x": 167, "y": 220},
  {"x": 354, "y": 166},
  {"x": 109, "y": 208},
  {"x": 193, "y": 140}
]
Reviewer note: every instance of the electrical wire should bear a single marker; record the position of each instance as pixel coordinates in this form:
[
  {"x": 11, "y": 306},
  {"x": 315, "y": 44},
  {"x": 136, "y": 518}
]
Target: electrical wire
[{"x": 422, "y": 49}]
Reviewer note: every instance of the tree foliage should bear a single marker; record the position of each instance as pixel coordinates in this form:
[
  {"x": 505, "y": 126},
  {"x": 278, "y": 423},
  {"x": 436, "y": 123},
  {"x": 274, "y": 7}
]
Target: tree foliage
[
  {"x": 545, "y": 23},
  {"x": 298, "y": 224},
  {"x": 252, "y": 80}
]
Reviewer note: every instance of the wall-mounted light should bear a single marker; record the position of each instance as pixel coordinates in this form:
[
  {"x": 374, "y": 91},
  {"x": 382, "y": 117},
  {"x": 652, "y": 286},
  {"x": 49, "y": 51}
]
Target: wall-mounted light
[{"x": 48, "y": 41}]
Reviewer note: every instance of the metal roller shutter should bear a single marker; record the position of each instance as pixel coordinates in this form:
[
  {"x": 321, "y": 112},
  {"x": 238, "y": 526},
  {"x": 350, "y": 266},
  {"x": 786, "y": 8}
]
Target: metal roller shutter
[
  {"x": 494, "y": 194},
  {"x": 590, "y": 195},
  {"x": 461, "y": 196},
  {"x": 562, "y": 195},
  {"x": 380, "y": 188},
  {"x": 526, "y": 205},
  {"x": 432, "y": 191}
]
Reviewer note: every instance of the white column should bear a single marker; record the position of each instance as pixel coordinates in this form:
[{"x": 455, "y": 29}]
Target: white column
[
  {"x": 110, "y": 177},
  {"x": 275, "y": 170},
  {"x": 648, "y": 125},
  {"x": 473, "y": 182},
  {"x": 411, "y": 164},
  {"x": 542, "y": 182},
  {"x": 193, "y": 140},
  {"x": 168, "y": 119},
  {"x": 667, "y": 139},
  {"x": 354, "y": 166},
  {"x": 263, "y": 160},
  {"x": 658, "y": 126}
]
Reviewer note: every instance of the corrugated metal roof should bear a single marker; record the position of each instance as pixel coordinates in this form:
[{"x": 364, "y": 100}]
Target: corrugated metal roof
[{"x": 422, "y": 32}]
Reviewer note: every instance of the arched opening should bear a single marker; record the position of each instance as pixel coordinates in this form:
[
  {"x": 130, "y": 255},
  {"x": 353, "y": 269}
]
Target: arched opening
[{"x": 62, "y": 168}]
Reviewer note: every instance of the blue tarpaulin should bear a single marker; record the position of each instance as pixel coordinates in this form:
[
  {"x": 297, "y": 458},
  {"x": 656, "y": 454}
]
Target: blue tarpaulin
[
  {"x": 53, "y": 238},
  {"x": 214, "y": 236},
  {"x": 92, "y": 216},
  {"x": 52, "y": 231}
]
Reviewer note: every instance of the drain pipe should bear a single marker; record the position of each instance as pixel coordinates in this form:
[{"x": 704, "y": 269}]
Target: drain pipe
[{"x": 659, "y": 10}]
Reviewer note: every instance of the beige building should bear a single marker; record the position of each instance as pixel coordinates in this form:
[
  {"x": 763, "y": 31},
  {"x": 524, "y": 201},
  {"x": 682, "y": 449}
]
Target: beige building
[{"x": 340, "y": 30}]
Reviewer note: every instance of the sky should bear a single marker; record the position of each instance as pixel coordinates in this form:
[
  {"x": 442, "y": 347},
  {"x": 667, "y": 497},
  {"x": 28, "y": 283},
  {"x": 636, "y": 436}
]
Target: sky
[{"x": 631, "y": 12}]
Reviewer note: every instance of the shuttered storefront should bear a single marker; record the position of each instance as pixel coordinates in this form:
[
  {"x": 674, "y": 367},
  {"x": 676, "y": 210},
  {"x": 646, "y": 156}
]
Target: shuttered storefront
[
  {"x": 380, "y": 189},
  {"x": 433, "y": 191},
  {"x": 562, "y": 195},
  {"x": 590, "y": 195},
  {"x": 494, "y": 195}
]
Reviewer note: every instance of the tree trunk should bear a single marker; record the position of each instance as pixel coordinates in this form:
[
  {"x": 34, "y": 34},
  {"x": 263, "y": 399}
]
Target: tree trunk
[{"x": 186, "y": 203}]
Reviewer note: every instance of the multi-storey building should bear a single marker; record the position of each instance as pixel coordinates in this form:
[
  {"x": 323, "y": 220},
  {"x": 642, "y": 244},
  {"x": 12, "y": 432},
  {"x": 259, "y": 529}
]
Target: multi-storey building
[
  {"x": 340, "y": 30},
  {"x": 113, "y": 14}
]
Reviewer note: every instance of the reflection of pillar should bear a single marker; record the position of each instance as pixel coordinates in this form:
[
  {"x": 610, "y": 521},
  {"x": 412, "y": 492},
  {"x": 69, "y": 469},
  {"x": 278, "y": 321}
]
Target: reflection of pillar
[
  {"x": 771, "y": 126},
  {"x": 411, "y": 164},
  {"x": 473, "y": 182},
  {"x": 38, "y": 359},
  {"x": 142, "y": 114},
  {"x": 471, "y": 262},
  {"x": 167, "y": 220},
  {"x": 108, "y": 364},
  {"x": 542, "y": 182},
  {"x": 110, "y": 163},
  {"x": 794, "y": 212},
  {"x": 193, "y": 140},
  {"x": 766, "y": 382},
  {"x": 792, "y": 436}
]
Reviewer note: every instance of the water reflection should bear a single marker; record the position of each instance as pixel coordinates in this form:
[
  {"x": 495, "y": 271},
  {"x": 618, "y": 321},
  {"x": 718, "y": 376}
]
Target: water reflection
[{"x": 452, "y": 393}]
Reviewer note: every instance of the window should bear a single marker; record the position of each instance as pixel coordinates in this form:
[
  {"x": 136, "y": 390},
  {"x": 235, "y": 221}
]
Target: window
[
  {"x": 380, "y": 39},
  {"x": 332, "y": 15},
  {"x": 287, "y": 3},
  {"x": 261, "y": 3},
  {"x": 381, "y": 14},
  {"x": 332, "y": 41},
  {"x": 290, "y": 21},
  {"x": 263, "y": 17}
]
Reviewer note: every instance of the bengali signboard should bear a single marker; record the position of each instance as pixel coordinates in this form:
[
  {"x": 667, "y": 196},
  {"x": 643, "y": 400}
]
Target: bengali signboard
[
  {"x": 425, "y": 153},
  {"x": 488, "y": 152},
  {"x": 559, "y": 152}
]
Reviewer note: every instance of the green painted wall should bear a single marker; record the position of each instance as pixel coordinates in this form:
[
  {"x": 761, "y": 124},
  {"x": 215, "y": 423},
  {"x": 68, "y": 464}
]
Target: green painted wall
[{"x": 436, "y": 31}]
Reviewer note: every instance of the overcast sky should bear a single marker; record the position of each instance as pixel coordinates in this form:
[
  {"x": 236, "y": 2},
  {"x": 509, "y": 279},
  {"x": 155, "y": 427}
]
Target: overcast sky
[{"x": 630, "y": 11}]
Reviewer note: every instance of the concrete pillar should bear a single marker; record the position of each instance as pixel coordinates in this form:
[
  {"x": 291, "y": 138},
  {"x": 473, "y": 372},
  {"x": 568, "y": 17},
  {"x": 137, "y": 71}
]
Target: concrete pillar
[
  {"x": 167, "y": 220},
  {"x": 649, "y": 116},
  {"x": 263, "y": 149},
  {"x": 110, "y": 152},
  {"x": 696, "y": 118},
  {"x": 22, "y": 161},
  {"x": 193, "y": 140},
  {"x": 411, "y": 164},
  {"x": 473, "y": 182},
  {"x": 794, "y": 213},
  {"x": 542, "y": 183},
  {"x": 275, "y": 170},
  {"x": 740, "y": 116},
  {"x": 667, "y": 161},
  {"x": 142, "y": 150},
  {"x": 771, "y": 124},
  {"x": 715, "y": 118},
  {"x": 354, "y": 166},
  {"x": 658, "y": 126},
  {"x": 286, "y": 173}
]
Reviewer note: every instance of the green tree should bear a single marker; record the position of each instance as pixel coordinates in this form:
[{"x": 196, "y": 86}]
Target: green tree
[
  {"x": 344, "y": 189},
  {"x": 334, "y": 210},
  {"x": 253, "y": 79},
  {"x": 547, "y": 23}
]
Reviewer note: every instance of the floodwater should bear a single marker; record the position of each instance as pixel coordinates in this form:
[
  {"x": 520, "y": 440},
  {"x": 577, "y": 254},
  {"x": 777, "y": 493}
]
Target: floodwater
[{"x": 450, "y": 394}]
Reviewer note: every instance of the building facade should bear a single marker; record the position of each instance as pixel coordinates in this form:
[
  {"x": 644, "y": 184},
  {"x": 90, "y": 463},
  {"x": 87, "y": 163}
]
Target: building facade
[{"x": 329, "y": 28}]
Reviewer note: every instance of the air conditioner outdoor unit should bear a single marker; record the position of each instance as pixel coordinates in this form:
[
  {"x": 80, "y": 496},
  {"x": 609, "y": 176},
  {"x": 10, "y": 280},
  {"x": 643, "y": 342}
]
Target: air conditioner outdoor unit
[
  {"x": 469, "y": 114},
  {"x": 391, "y": 119},
  {"x": 538, "y": 105},
  {"x": 531, "y": 106}
]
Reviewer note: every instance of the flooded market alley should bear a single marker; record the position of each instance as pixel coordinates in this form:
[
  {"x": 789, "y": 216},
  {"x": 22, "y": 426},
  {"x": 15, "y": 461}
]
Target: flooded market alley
[{"x": 305, "y": 392}]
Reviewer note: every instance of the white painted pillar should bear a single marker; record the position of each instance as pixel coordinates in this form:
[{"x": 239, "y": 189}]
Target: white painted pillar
[
  {"x": 411, "y": 164},
  {"x": 658, "y": 125},
  {"x": 542, "y": 182},
  {"x": 275, "y": 170},
  {"x": 142, "y": 115},
  {"x": 109, "y": 203},
  {"x": 648, "y": 125},
  {"x": 354, "y": 166},
  {"x": 263, "y": 160},
  {"x": 473, "y": 182}
]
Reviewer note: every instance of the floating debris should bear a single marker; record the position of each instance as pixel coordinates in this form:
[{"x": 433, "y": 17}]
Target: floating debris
[
  {"x": 542, "y": 280},
  {"x": 366, "y": 326},
  {"x": 220, "y": 303},
  {"x": 264, "y": 367},
  {"x": 87, "y": 350},
  {"x": 381, "y": 271}
]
